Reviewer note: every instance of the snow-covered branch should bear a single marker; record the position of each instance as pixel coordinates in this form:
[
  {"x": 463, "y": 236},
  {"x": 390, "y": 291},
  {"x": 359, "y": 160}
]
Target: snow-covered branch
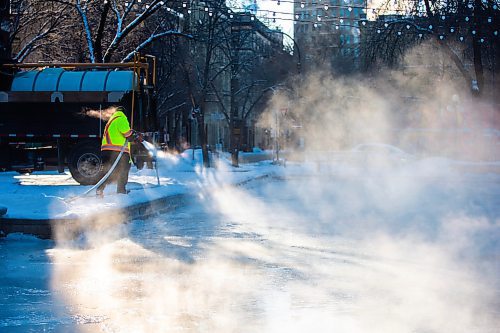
[
  {"x": 82, "y": 10},
  {"x": 153, "y": 38},
  {"x": 121, "y": 32},
  {"x": 48, "y": 27}
]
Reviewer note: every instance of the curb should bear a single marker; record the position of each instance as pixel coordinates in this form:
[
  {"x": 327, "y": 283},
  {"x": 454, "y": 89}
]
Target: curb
[
  {"x": 68, "y": 228},
  {"x": 65, "y": 229}
]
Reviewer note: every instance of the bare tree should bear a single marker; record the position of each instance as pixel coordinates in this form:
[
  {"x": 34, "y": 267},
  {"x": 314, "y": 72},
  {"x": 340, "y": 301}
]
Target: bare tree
[
  {"x": 246, "y": 52},
  {"x": 206, "y": 61},
  {"x": 33, "y": 25},
  {"x": 115, "y": 29},
  {"x": 466, "y": 31}
]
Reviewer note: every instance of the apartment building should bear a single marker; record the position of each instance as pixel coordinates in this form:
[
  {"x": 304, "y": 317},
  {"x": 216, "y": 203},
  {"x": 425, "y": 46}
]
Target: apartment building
[{"x": 328, "y": 31}]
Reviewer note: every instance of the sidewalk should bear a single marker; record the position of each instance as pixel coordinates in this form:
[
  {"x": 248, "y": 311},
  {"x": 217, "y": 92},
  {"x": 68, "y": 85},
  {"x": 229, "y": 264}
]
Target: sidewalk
[{"x": 38, "y": 204}]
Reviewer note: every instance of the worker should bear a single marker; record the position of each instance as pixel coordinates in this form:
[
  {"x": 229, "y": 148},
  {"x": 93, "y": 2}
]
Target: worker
[{"x": 115, "y": 138}]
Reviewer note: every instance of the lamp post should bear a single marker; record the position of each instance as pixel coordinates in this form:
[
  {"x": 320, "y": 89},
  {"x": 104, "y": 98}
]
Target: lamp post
[{"x": 296, "y": 47}]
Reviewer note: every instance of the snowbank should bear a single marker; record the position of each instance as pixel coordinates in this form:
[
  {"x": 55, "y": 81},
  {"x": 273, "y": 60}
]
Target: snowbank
[{"x": 50, "y": 195}]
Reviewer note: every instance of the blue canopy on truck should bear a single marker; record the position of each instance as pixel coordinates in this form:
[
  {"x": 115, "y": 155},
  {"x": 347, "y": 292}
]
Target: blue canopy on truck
[{"x": 59, "y": 79}]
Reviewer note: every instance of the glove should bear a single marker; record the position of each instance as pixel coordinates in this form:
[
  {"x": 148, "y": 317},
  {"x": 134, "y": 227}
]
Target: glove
[{"x": 137, "y": 136}]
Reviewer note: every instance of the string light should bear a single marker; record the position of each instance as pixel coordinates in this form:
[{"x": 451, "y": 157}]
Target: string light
[{"x": 355, "y": 22}]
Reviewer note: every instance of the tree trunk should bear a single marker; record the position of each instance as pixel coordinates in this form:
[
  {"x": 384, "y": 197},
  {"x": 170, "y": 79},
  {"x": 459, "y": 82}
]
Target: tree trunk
[
  {"x": 233, "y": 143},
  {"x": 203, "y": 137},
  {"x": 233, "y": 115},
  {"x": 100, "y": 31},
  {"x": 476, "y": 47}
]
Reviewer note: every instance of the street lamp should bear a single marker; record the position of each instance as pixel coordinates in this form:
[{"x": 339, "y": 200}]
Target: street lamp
[{"x": 299, "y": 63}]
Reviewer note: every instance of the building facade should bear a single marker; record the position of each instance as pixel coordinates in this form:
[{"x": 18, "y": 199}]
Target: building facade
[
  {"x": 230, "y": 61},
  {"x": 327, "y": 31}
]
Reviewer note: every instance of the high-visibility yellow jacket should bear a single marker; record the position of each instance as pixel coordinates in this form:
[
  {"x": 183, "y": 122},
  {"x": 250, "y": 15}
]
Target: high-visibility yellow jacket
[{"x": 115, "y": 133}]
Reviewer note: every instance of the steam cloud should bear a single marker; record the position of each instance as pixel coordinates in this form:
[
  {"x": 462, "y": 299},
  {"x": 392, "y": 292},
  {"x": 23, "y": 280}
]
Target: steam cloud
[
  {"x": 426, "y": 109},
  {"x": 333, "y": 248},
  {"x": 104, "y": 114}
]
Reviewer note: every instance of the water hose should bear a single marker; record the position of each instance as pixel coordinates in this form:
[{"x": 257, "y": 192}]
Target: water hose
[
  {"x": 106, "y": 176},
  {"x": 146, "y": 145},
  {"x": 110, "y": 171}
]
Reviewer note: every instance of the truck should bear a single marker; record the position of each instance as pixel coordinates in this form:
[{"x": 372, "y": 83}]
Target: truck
[{"x": 54, "y": 114}]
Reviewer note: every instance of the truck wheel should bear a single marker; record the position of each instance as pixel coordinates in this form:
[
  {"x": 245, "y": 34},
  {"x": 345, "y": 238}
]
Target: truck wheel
[{"x": 85, "y": 163}]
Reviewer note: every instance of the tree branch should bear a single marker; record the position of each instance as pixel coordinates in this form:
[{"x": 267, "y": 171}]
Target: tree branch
[
  {"x": 121, "y": 34},
  {"x": 100, "y": 29},
  {"x": 88, "y": 32},
  {"x": 153, "y": 38}
]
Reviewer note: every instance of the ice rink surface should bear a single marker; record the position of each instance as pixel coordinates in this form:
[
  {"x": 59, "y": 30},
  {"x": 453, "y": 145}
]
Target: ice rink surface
[{"x": 406, "y": 251}]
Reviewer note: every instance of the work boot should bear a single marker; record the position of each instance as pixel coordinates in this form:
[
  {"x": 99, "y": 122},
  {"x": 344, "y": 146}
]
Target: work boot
[{"x": 123, "y": 191}]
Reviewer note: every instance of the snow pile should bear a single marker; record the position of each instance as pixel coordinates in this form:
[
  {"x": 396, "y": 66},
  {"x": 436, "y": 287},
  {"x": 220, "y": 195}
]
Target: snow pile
[{"x": 49, "y": 195}]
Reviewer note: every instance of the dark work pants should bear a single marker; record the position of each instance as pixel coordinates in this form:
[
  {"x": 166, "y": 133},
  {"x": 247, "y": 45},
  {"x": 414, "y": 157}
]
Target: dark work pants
[{"x": 120, "y": 174}]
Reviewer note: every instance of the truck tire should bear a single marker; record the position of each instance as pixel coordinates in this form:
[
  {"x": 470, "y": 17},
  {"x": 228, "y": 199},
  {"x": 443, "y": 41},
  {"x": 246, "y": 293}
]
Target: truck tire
[{"x": 85, "y": 163}]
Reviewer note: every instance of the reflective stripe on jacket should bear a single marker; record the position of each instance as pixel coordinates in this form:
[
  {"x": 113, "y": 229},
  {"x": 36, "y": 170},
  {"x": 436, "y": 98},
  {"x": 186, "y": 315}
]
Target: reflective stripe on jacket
[{"x": 115, "y": 133}]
